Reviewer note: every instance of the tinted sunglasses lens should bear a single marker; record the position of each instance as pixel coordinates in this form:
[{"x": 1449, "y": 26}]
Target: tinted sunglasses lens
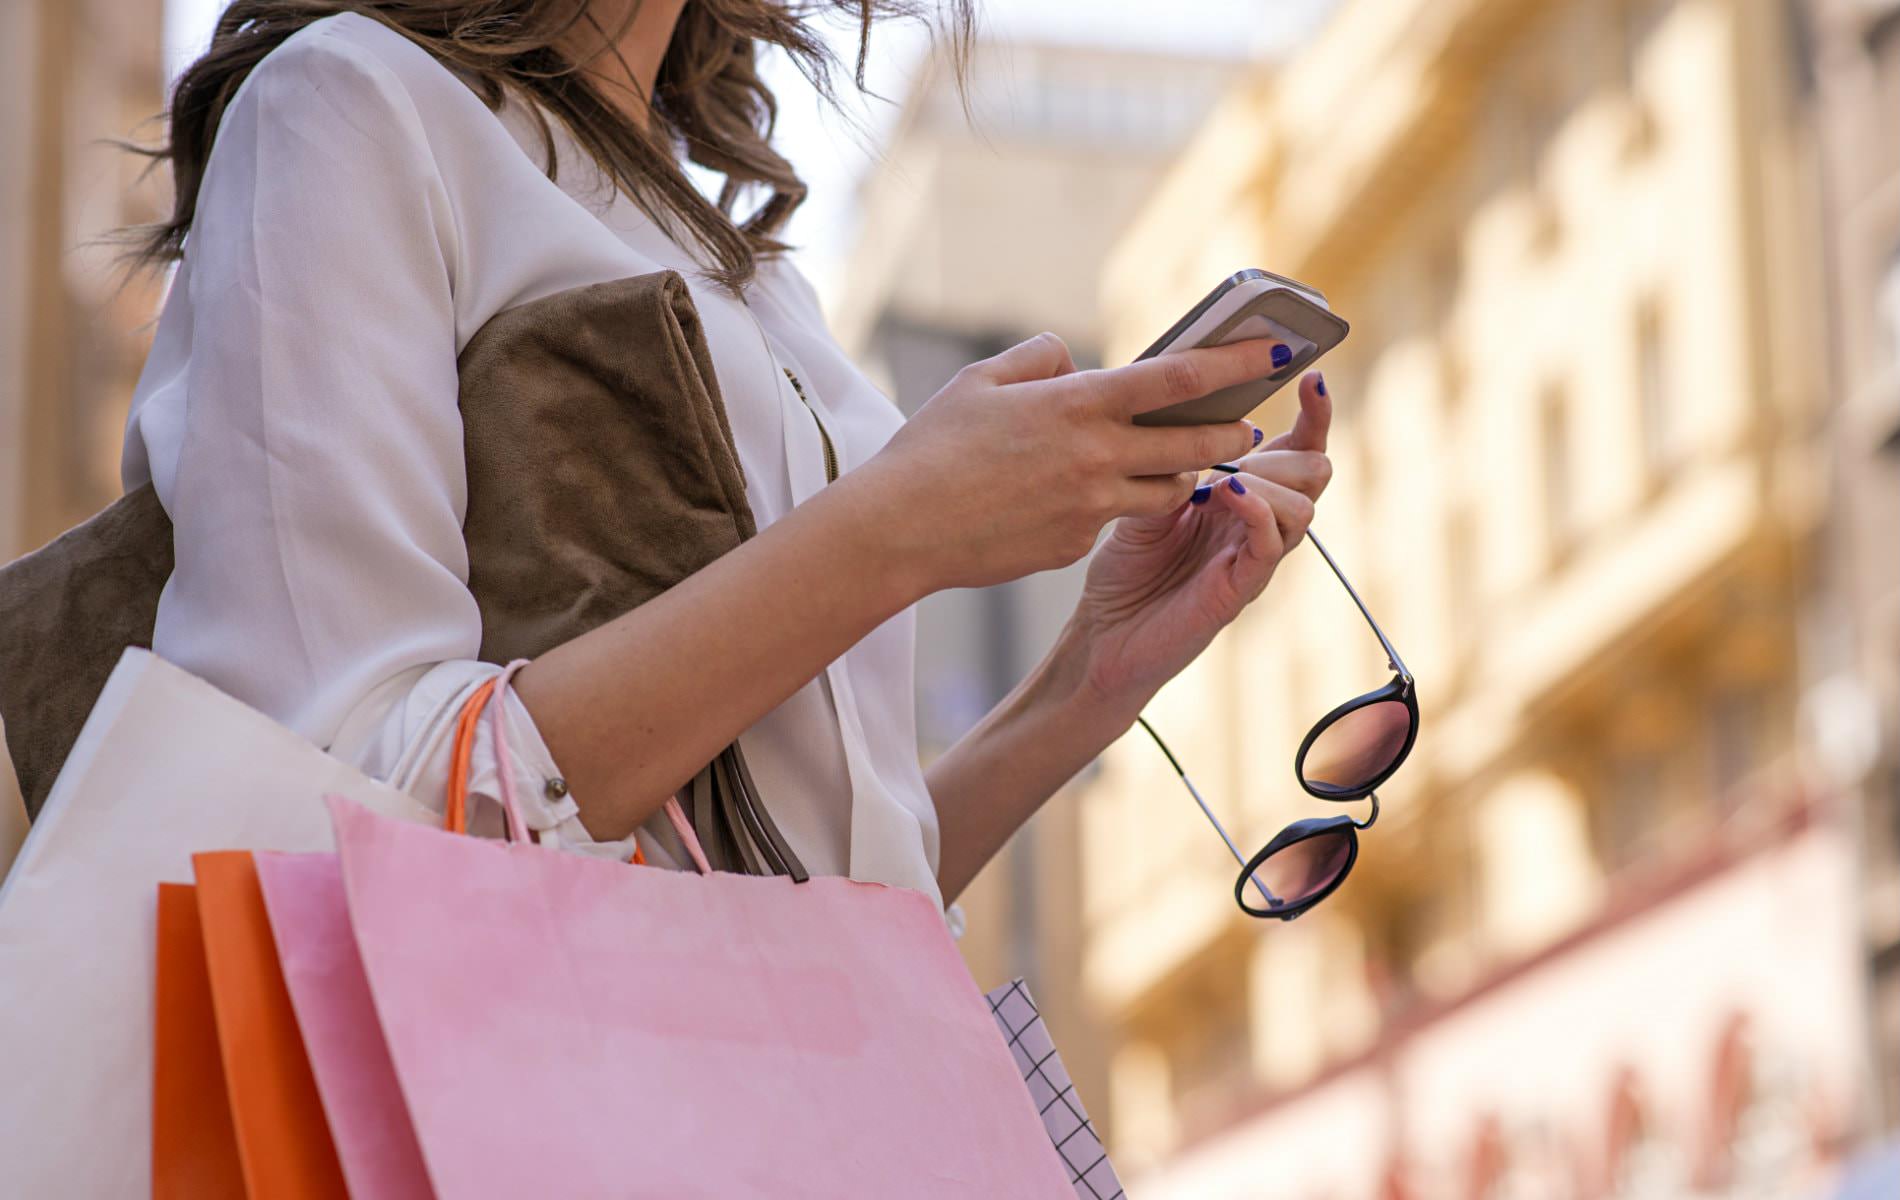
[
  {"x": 1297, "y": 874},
  {"x": 1357, "y": 748}
]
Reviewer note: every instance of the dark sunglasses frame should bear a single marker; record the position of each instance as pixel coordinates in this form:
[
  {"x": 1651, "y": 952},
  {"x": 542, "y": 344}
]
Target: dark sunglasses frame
[{"x": 1401, "y": 689}]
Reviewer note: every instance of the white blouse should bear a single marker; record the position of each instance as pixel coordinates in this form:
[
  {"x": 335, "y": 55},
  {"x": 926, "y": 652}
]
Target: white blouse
[{"x": 362, "y": 215}]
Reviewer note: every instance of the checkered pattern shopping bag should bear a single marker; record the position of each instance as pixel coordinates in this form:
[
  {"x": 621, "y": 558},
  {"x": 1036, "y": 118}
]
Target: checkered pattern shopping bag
[{"x": 1049, "y": 1086}]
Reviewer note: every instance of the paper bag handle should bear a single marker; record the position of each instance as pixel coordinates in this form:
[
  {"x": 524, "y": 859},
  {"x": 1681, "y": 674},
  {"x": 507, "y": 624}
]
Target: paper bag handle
[{"x": 455, "y": 811}]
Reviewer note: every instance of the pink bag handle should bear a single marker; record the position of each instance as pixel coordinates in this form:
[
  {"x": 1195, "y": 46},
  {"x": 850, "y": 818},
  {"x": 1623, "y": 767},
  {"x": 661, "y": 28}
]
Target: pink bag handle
[
  {"x": 691, "y": 840},
  {"x": 518, "y": 828}
]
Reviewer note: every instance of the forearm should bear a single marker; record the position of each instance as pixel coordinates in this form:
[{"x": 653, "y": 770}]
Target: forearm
[
  {"x": 633, "y": 709},
  {"x": 1035, "y": 740}
]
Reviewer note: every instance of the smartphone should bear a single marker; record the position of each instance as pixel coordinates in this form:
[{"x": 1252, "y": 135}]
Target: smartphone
[{"x": 1248, "y": 304}]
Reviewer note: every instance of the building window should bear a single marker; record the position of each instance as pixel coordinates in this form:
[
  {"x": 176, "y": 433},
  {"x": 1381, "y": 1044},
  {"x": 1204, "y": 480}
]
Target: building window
[
  {"x": 1140, "y": 1104},
  {"x": 1444, "y": 280},
  {"x": 1635, "y": 21},
  {"x": 1527, "y": 110},
  {"x": 1360, "y": 435},
  {"x": 1210, "y": 1058},
  {"x": 1453, "y": 381},
  {"x": 1732, "y": 1091},
  {"x": 1541, "y": 110},
  {"x": 1461, "y": 556},
  {"x": 1461, "y": 584},
  {"x": 1642, "y": 1164},
  {"x": 1537, "y": 1165},
  {"x": 1632, "y": 811},
  {"x": 1652, "y": 392},
  {"x": 1487, "y": 1163},
  {"x": 1734, "y": 732},
  {"x": 1558, "y": 483}
]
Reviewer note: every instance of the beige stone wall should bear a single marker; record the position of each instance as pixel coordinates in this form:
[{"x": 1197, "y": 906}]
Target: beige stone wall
[
  {"x": 1853, "y": 101},
  {"x": 1577, "y": 481}
]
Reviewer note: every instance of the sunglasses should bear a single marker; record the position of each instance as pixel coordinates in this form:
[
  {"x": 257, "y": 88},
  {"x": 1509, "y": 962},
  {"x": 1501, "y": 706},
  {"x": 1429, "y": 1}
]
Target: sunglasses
[{"x": 1344, "y": 757}]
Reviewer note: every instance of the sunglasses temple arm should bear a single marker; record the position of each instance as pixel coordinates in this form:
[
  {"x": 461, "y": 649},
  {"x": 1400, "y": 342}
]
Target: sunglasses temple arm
[
  {"x": 1398, "y": 664},
  {"x": 1213, "y": 820}
]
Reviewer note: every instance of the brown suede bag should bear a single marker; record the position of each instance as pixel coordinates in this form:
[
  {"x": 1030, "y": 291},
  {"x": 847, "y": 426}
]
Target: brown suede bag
[{"x": 601, "y": 471}]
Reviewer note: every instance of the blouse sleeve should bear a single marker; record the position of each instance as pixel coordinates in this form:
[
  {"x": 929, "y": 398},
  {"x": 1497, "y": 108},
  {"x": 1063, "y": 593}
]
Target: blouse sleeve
[{"x": 319, "y": 488}]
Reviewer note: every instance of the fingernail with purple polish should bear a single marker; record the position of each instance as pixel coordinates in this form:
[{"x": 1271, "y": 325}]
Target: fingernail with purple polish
[
  {"x": 1201, "y": 494},
  {"x": 1240, "y": 489},
  {"x": 1258, "y": 434},
  {"x": 1320, "y": 387},
  {"x": 1282, "y": 355}
]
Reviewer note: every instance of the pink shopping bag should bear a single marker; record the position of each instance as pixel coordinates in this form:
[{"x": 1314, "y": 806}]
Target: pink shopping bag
[
  {"x": 316, "y": 949},
  {"x": 559, "y": 1025},
  {"x": 369, "y": 1124}
]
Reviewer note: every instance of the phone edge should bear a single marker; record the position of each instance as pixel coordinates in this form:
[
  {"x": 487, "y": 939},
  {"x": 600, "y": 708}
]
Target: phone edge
[{"x": 1199, "y": 310}]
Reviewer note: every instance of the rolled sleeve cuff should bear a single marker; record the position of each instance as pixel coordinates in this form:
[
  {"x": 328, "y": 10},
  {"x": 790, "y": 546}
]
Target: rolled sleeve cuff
[{"x": 404, "y": 733}]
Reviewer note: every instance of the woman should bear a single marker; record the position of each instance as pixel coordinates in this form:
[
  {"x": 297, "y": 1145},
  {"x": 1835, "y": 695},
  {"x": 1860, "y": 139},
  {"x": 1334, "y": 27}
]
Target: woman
[{"x": 386, "y": 179}]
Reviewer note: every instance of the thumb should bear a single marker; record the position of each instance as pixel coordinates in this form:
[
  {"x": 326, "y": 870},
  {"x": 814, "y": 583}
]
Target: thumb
[{"x": 1314, "y": 422}]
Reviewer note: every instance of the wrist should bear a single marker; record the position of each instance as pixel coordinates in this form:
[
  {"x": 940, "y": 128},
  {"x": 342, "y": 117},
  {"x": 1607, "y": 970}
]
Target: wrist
[
  {"x": 893, "y": 562},
  {"x": 1071, "y": 682}
]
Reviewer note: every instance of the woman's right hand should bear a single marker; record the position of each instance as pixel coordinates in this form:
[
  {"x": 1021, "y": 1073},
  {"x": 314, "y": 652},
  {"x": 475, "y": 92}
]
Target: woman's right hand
[
  {"x": 1021, "y": 460},
  {"x": 1014, "y": 467}
]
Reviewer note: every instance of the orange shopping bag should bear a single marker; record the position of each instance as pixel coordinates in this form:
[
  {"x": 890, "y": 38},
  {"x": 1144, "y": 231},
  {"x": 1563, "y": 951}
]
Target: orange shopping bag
[
  {"x": 282, "y": 1137},
  {"x": 194, "y": 1149}
]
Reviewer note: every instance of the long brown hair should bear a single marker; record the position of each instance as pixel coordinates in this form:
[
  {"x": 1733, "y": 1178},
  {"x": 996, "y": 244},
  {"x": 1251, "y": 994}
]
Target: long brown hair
[{"x": 709, "y": 104}]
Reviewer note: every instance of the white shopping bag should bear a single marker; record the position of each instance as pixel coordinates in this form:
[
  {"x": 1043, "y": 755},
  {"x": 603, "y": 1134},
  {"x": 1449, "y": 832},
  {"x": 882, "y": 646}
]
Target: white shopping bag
[{"x": 165, "y": 767}]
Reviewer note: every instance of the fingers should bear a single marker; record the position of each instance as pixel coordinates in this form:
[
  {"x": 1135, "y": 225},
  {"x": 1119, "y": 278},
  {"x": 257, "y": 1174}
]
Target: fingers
[
  {"x": 1167, "y": 379},
  {"x": 1276, "y": 516},
  {"x": 1305, "y": 471},
  {"x": 1164, "y": 450},
  {"x": 1157, "y": 495},
  {"x": 1044, "y": 356},
  {"x": 1315, "y": 420}
]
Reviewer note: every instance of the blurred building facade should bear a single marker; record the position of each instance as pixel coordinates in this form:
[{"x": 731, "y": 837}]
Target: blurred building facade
[
  {"x": 73, "y": 332},
  {"x": 72, "y": 339},
  {"x": 1605, "y": 939},
  {"x": 1853, "y": 93},
  {"x": 979, "y": 231}
]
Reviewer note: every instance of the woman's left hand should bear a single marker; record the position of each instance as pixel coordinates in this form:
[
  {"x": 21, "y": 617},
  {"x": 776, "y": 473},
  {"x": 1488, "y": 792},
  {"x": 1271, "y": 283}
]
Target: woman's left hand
[{"x": 1159, "y": 588}]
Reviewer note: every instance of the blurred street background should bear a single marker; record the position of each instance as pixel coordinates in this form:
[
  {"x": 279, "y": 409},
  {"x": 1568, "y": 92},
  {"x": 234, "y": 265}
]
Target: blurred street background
[{"x": 1618, "y": 467}]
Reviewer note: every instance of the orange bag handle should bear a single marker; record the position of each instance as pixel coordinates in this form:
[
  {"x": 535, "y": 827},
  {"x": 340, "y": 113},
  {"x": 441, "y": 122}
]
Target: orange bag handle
[{"x": 455, "y": 810}]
